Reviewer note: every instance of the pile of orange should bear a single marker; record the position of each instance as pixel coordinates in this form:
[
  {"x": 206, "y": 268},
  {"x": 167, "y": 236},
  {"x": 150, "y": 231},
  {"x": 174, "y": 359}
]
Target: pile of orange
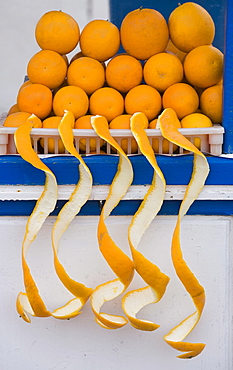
[{"x": 166, "y": 64}]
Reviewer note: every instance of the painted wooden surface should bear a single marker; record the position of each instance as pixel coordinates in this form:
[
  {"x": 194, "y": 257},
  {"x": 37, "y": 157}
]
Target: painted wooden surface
[
  {"x": 48, "y": 344},
  {"x": 177, "y": 172}
]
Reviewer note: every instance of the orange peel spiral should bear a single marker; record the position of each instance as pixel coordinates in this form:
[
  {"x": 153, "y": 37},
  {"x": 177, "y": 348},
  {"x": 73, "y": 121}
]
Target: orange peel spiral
[
  {"x": 167, "y": 123},
  {"x": 78, "y": 198},
  {"x": 31, "y": 301},
  {"x": 118, "y": 261},
  {"x": 157, "y": 281}
]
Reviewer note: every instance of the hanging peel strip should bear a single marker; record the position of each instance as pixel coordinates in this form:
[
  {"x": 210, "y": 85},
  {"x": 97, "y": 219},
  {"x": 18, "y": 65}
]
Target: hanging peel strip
[
  {"x": 157, "y": 281},
  {"x": 118, "y": 261},
  {"x": 78, "y": 198},
  {"x": 31, "y": 301},
  {"x": 167, "y": 123}
]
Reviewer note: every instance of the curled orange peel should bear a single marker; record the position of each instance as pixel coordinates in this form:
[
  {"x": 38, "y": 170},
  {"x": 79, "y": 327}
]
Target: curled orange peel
[
  {"x": 157, "y": 281},
  {"x": 68, "y": 212},
  {"x": 167, "y": 123},
  {"x": 31, "y": 301},
  {"x": 118, "y": 261}
]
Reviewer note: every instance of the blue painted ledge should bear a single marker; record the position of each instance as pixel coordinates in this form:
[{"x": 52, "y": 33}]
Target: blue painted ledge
[{"x": 177, "y": 171}]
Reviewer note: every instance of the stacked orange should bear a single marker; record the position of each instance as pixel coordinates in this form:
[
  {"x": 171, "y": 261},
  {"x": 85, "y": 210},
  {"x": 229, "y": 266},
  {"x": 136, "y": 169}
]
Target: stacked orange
[{"x": 166, "y": 64}]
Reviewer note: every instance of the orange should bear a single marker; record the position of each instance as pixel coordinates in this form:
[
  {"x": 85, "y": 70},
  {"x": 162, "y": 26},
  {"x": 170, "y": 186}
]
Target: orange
[
  {"x": 211, "y": 101},
  {"x": 164, "y": 147},
  {"x": 144, "y": 32},
  {"x": 79, "y": 55},
  {"x": 47, "y": 68},
  {"x": 84, "y": 122},
  {"x": 123, "y": 72},
  {"x": 190, "y": 25},
  {"x": 203, "y": 66},
  {"x": 196, "y": 120},
  {"x": 153, "y": 123},
  {"x": 172, "y": 49},
  {"x": 52, "y": 122},
  {"x": 57, "y": 31},
  {"x": 163, "y": 70},
  {"x": 182, "y": 98},
  {"x": 100, "y": 39},
  {"x": 123, "y": 122},
  {"x": 35, "y": 98},
  {"x": 70, "y": 98},
  {"x": 27, "y": 82},
  {"x": 107, "y": 102},
  {"x": 16, "y": 119},
  {"x": 13, "y": 109},
  {"x": 87, "y": 73},
  {"x": 145, "y": 99}
]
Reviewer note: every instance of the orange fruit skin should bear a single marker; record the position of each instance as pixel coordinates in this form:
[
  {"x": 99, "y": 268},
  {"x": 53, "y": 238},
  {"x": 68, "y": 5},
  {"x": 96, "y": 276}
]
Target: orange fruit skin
[
  {"x": 84, "y": 122},
  {"x": 153, "y": 123},
  {"x": 196, "y": 120},
  {"x": 16, "y": 119},
  {"x": 123, "y": 72},
  {"x": 190, "y": 25},
  {"x": 144, "y": 32},
  {"x": 203, "y": 66},
  {"x": 165, "y": 142},
  {"x": 35, "y": 98},
  {"x": 13, "y": 109},
  {"x": 107, "y": 102},
  {"x": 122, "y": 122},
  {"x": 47, "y": 68},
  {"x": 52, "y": 122},
  {"x": 172, "y": 49},
  {"x": 211, "y": 102},
  {"x": 182, "y": 98},
  {"x": 70, "y": 98},
  {"x": 100, "y": 39},
  {"x": 87, "y": 73},
  {"x": 145, "y": 99},
  {"x": 28, "y": 82},
  {"x": 57, "y": 31},
  {"x": 163, "y": 70}
]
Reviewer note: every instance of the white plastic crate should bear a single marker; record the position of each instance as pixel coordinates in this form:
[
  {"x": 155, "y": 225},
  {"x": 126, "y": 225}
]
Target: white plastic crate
[{"x": 211, "y": 140}]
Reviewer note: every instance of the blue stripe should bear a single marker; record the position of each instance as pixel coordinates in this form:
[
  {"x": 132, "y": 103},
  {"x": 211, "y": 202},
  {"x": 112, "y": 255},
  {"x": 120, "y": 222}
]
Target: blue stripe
[
  {"x": 177, "y": 170},
  {"x": 125, "y": 208}
]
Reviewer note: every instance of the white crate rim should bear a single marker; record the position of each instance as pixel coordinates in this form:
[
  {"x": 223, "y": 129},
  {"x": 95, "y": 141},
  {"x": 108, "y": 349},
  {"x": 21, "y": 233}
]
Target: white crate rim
[{"x": 211, "y": 139}]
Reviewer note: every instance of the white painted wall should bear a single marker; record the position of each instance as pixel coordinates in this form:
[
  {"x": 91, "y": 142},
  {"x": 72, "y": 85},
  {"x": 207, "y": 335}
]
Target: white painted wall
[
  {"x": 80, "y": 343},
  {"x": 17, "y": 42}
]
